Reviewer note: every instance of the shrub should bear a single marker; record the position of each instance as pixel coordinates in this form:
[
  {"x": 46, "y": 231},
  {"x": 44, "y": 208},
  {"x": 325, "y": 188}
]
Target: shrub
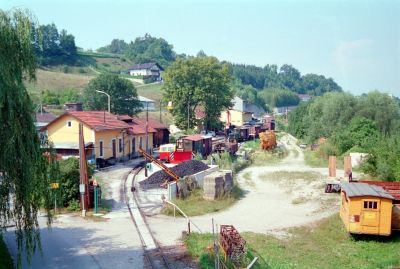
[
  {"x": 74, "y": 205},
  {"x": 69, "y": 177},
  {"x": 66, "y": 69}
]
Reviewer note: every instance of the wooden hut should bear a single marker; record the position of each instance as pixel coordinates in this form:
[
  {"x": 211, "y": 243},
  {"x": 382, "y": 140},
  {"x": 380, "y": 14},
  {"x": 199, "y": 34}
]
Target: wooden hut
[{"x": 366, "y": 209}]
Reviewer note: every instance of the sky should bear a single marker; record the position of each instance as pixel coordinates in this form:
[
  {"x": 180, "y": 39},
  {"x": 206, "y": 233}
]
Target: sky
[{"x": 357, "y": 43}]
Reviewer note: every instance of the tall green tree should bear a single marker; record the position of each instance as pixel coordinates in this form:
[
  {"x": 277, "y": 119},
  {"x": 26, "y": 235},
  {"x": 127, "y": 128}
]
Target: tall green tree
[
  {"x": 117, "y": 46},
  {"x": 151, "y": 49},
  {"x": 198, "y": 83},
  {"x": 124, "y": 98},
  {"x": 24, "y": 173}
]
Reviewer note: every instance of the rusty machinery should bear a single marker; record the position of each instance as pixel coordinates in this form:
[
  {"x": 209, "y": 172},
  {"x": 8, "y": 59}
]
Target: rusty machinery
[
  {"x": 268, "y": 140},
  {"x": 232, "y": 243}
]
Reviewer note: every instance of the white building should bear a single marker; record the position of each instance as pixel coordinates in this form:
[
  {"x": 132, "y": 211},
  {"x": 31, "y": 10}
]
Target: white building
[{"x": 146, "y": 70}]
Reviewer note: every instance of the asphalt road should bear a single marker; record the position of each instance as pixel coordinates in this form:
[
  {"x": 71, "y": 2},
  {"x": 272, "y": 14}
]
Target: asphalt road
[{"x": 110, "y": 241}]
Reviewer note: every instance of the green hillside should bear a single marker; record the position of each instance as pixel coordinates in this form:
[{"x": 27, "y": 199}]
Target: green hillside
[{"x": 61, "y": 77}]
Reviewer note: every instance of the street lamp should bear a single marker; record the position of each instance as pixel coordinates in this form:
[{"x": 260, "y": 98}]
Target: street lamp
[{"x": 109, "y": 100}]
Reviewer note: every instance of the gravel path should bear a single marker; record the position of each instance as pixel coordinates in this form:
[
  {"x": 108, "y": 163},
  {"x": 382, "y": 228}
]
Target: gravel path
[{"x": 269, "y": 205}]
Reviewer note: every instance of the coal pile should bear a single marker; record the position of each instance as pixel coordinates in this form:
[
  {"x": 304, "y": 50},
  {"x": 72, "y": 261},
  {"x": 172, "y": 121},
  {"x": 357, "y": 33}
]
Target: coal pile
[{"x": 183, "y": 169}]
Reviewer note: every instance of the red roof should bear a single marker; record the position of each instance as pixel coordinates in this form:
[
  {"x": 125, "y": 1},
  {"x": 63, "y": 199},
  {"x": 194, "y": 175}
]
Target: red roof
[
  {"x": 393, "y": 188},
  {"x": 139, "y": 128},
  {"x": 155, "y": 124},
  {"x": 195, "y": 137},
  {"x": 97, "y": 120},
  {"x": 124, "y": 117}
]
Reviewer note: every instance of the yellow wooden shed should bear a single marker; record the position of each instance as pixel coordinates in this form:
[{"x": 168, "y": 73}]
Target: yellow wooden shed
[{"x": 366, "y": 209}]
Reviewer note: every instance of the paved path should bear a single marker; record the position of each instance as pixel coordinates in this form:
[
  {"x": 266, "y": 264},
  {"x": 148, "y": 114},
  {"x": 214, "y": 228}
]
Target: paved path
[{"x": 74, "y": 242}]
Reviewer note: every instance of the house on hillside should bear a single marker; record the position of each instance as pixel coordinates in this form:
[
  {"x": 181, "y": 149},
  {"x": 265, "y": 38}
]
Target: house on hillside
[
  {"x": 146, "y": 70},
  {"x": 147, "y": 103},
  {"x": 106, "y": 136}
]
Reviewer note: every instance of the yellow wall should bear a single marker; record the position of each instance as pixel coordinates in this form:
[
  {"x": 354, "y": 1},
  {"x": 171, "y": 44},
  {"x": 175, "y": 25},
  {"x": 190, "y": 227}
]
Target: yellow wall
[
  {"x": 354, "y": 206},
  {"x": 59, "y": 132},
  {"x": 237, "y": 118},
  {"x": 108, "y": 136}
]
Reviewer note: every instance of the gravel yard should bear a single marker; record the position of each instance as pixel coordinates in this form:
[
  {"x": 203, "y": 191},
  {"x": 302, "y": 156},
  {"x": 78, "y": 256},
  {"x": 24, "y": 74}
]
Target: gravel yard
[{"x": 277, "y": 197}]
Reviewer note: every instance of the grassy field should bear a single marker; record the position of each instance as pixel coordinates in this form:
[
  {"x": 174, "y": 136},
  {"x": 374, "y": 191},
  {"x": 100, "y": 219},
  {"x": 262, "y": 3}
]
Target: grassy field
[
  {"x": 5, "y": 258},
  {"x": 195, "y": 205},
  {"x": 151, "y": 91},
  {"x": 323, "y": 245}
]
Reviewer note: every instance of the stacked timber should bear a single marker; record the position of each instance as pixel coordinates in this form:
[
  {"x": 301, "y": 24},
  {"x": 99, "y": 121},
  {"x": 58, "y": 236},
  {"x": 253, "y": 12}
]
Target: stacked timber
[
  {"x": 213, "y": 186},
  {"x": 217, "y": 184},
  {"x": 228, "y": 181}
]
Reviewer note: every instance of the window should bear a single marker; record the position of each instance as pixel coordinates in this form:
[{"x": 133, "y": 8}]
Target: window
[
  {"x": 101, "y": 148},
  {"x": 370, "y": 205},
  {"x": 69, "y": 123},
  {"x": 140, "y": 142},
  {"x": 120, "y": 145}
]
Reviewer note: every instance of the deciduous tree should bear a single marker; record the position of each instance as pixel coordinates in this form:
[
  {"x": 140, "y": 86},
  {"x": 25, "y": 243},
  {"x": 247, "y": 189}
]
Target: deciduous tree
[
  {"x": 124, "y": 98},
  {"x": 198, "y": 83}
]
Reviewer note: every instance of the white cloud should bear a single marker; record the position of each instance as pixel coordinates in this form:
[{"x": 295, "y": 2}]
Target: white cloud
[{"x": 350, "y": 53}]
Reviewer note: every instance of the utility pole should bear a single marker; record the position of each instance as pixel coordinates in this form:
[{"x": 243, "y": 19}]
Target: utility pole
[
  {"x": 83, "y": 176},
  {"x": 109, "y": 100},
  {"x": 147, "y": 135}
]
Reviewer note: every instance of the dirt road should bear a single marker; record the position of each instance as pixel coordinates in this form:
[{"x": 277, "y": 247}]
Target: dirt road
[{"x": 276, "y": 197}]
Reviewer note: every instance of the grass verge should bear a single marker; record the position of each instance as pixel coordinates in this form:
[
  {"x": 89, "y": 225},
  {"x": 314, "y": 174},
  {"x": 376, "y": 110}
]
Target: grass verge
[
  {"x": 5, "y": 258},
  {"x": 323, "y": 245},
  {"x": 195, "y": 205}
]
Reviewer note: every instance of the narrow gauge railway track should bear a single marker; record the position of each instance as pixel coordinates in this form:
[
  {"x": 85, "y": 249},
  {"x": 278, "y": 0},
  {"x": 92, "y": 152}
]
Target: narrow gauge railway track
[{"x": 155, "y": 257}]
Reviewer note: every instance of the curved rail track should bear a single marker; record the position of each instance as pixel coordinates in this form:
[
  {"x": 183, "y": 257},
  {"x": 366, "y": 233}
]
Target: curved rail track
[{"x": 155, "y": 257}]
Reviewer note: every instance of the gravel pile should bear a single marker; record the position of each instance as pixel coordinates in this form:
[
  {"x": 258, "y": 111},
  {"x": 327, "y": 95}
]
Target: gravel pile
[{"x": 183, "y": 169}]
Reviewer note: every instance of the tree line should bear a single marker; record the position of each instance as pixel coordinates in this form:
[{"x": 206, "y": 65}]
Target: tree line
[
  {"x": 51, "y": 46},
  {"x": 143, "y": 49},
  {"x": 369, "y": 123}
]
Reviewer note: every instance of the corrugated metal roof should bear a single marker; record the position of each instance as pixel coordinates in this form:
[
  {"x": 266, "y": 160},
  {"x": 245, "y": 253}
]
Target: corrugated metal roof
[{"x": 363, "y": 189}]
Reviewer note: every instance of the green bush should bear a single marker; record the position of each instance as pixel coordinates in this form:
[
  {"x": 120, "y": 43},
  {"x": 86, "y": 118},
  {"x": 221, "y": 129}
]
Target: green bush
[
  {"x": 74, "y": 205},
  {"x": 66, "y": 69},
  {"x": 69, "y": 177}
]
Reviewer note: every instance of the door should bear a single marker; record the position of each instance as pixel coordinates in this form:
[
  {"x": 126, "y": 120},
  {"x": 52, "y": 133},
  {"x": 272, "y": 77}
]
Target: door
[
  {"x": 114, "y": 148},
  {"x": 370, "y": 215}
]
